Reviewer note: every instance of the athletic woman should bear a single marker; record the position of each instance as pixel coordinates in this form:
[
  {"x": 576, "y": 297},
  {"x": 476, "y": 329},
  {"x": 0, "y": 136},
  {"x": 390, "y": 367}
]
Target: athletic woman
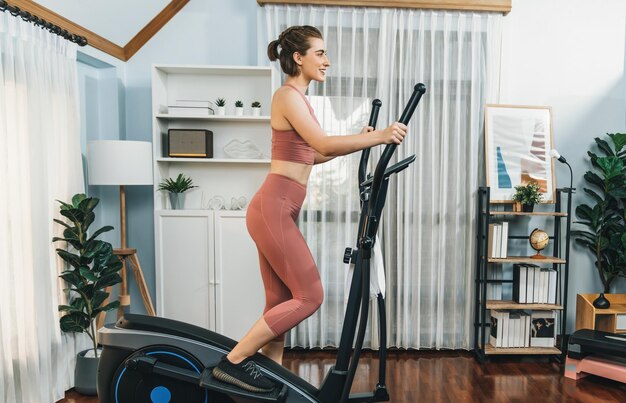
[{"x": 293, "y": 290}]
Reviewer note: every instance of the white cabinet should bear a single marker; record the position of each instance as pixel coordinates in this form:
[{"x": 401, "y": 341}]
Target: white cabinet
[
  {"x": 239, "y": 293},
  {"x": 185, "y": 271},
  {"x": 207, "y": 270}
]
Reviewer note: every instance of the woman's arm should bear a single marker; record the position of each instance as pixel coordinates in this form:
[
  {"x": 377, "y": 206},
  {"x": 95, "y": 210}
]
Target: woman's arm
[
  {"x": 294, "y": 109},
  {"x": 320, "y": 159}
]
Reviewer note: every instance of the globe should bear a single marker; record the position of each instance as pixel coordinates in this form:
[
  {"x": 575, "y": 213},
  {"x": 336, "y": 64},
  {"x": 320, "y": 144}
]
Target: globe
[{"x": 538, "y": 241}]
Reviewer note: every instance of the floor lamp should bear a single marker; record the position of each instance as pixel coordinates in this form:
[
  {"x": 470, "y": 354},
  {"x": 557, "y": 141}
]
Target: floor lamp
[{"x": 122, "y": 163}]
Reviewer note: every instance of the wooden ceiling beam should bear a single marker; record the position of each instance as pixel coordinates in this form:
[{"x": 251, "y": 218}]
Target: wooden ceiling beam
[
  {"x": 501, "y": 6},
  {"x": 93, "y": 39},
  {"x": 153, "y": 27}
]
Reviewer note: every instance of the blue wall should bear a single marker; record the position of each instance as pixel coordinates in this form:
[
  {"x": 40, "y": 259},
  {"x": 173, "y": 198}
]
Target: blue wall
[{"x": 117, "y": 101}]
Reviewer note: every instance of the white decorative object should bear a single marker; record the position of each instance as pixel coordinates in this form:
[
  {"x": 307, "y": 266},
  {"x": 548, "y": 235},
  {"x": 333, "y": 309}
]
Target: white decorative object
[
  {"x": 239, "y": 111},
  {"x": 221, "y": 110},
  {"x": 242, "y": 149},
  {"x": 238, "y": 203},
  {"x": 216, "y": 203},
  {"x": 256, "y": 111}
]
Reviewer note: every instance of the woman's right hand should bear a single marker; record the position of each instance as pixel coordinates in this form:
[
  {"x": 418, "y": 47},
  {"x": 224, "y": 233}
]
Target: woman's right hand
[{"x": 394, "y": 134}]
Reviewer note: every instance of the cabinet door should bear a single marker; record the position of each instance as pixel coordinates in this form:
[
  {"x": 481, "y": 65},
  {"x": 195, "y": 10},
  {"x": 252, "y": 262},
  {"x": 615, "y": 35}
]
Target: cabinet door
[
  {"x": 184, "y": 269},
  {"x": 240, "y": 296}
]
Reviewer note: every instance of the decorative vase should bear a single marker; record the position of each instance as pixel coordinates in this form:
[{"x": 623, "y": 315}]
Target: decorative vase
[
  {"x": 86, "y": 374},
  {"x": 256, "y": 111},
  {"x": 177, "y": 201},
  {"x": 239, "y": 111},
  {"x": 601, "y": 302},
  {"x": 528, "y": 208},
  {"x": 221, "y": 110},
  {"x": 517, "y": 207}
]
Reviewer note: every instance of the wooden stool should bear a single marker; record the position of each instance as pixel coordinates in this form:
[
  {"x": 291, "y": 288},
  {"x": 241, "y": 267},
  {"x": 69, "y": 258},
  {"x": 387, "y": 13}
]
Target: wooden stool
[{"x": 130, "y": 255}]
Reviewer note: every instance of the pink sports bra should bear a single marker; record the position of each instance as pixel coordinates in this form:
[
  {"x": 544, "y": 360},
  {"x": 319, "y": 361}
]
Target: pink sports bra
[{"x": 288, "y": 145}]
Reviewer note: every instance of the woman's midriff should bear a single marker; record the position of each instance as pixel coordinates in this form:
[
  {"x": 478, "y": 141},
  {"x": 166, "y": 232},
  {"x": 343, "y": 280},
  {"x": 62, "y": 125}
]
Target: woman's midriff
[{"x": 293, "y": 170}]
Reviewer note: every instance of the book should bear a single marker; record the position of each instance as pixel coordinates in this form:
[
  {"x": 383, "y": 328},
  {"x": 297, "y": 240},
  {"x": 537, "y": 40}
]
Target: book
[
  {"x": 504, "y": 239},
  {"x": 189, "y": 110},
  {"x": 514, "y": 328},
  {"x": 491, "y": 248},
  {"x": 552, "y": 286},
  {"x": 495, "y": 336},
  {"x": 497, "y": 240},
  {"x": 526, "y": 341},
  {"x": 504, "y": 316},
  {"x": 542, "y": 327},
  {"x": 519, "y": 283}
]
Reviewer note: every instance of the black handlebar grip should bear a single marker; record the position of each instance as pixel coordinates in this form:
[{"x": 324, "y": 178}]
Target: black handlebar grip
[
  {"x": 365, "y": 154},
  {"x": 376, "y": 104},
  {"x": 418, "y": 91}
]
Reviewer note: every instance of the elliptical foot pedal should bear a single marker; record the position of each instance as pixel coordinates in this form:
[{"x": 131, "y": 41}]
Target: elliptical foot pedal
[{"x": 208, "y": 381}]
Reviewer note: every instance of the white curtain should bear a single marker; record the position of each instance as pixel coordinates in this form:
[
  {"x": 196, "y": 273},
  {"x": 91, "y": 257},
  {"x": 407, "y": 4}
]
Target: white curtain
[
  {"x": 428, "y": 227},
  {"x": 40, "y": 162}
]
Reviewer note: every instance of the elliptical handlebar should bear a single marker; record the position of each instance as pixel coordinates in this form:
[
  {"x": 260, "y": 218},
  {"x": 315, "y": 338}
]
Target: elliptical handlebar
[
  {"x": 379, "y": 173},
  {"x": 376, "y": 104}
]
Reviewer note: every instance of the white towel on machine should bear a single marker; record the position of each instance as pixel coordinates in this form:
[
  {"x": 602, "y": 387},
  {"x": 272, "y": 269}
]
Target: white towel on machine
[{"x": 377, "y": 273}]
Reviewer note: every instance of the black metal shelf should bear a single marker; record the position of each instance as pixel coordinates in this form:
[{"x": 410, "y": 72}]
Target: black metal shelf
[{"x": 559, "y": 262}]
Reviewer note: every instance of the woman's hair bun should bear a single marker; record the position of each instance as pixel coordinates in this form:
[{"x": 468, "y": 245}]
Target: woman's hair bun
[{"x": 272, "y": 50}]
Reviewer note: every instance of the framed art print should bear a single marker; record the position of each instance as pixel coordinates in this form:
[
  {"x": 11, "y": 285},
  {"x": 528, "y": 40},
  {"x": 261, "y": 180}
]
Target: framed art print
[{"x": 518, "y": 140}]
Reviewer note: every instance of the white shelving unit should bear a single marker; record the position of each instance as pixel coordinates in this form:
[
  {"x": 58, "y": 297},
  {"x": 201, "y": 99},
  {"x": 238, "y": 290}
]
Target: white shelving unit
[{"x": 206, "y": 259}]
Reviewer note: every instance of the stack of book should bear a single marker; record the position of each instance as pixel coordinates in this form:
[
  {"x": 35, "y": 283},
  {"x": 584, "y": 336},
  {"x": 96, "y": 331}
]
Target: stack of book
[
  {"x": 498, "y": 240},
  {"x": 517, "y": 328},
  {"x": 534, "y": 284},
  {"x": 186, "y": 107}
]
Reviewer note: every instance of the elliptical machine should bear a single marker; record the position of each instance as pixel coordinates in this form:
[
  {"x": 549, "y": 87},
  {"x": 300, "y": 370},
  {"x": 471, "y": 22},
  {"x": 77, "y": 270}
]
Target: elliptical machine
[{"x": 157, "y": 360}]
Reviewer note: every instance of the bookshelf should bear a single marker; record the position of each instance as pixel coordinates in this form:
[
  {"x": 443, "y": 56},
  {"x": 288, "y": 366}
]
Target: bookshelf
[
  {"x": 556, "y": 260},
  {"x": 202, "y": 254}
]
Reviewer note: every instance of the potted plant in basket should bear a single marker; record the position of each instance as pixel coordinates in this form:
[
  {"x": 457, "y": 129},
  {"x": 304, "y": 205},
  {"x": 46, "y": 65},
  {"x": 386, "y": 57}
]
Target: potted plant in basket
[
  {"x": 603, "y": 219},
  {"x": 221, "y": 106},
  {"x": 527, "y": 195},
  {"x": 91, "y": 268},
  {"x": 177, "y": 189},
  {"x": 256, "y": 108},
  {"x": 238, "y": 108}
]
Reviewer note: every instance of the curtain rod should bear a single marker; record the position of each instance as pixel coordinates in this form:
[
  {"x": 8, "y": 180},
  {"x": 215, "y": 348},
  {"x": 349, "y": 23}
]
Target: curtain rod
[{"x": 40, "y": 22}]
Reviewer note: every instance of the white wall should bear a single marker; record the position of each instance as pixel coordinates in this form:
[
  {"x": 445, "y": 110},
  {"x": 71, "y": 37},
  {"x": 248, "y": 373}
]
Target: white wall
[{"x": 569, "y": 54}]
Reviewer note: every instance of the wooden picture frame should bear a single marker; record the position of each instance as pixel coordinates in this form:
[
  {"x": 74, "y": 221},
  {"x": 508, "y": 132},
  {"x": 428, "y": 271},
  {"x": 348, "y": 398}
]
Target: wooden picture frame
[{"x": 518, "y": 140}]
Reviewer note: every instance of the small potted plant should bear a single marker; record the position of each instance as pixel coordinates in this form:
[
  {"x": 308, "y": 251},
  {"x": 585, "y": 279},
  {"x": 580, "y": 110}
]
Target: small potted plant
[
  {"x": 221, "y": 106},
  {"x": 527, "y": 196},
  {"x": 177, "y": 189},
  {"x": 238, "y": 108},
  {"x": 91, "y": 267},
  {"x": 256, "y": 108}
]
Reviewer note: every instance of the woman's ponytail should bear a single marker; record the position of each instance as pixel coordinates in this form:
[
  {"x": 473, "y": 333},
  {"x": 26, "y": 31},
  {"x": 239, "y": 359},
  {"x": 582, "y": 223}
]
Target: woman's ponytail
[{"x": 272, "y": 50}]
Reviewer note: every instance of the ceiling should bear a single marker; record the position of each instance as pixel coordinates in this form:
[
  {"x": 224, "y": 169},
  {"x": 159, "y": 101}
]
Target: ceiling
[{"x": 116, "y": 20}]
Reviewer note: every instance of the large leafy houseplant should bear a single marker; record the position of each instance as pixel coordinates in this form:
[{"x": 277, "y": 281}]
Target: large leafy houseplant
[
  {"x": 91, "y": 267},
  {"x": 604, "y": 233}
]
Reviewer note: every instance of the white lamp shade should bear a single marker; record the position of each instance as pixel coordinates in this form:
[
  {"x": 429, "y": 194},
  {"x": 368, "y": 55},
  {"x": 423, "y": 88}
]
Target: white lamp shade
[{"x": 119, "y": 162}]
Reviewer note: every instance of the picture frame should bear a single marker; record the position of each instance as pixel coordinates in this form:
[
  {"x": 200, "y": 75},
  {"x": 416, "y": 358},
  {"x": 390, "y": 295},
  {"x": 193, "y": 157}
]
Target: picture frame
[{"x": 518, "y": 140}]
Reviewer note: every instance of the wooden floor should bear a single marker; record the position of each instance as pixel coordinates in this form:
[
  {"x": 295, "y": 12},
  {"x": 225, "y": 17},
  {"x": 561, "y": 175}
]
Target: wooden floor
[{"x": 454, "y": 377}]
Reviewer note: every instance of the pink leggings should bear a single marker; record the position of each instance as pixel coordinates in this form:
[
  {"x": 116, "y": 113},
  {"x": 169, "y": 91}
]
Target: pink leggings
[{"x": 293, "y": 290}]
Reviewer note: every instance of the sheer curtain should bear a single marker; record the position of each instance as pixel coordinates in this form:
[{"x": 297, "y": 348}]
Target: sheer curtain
[
  {"x": 427, "y": 232},
  {"x": 40, "y": 162}
]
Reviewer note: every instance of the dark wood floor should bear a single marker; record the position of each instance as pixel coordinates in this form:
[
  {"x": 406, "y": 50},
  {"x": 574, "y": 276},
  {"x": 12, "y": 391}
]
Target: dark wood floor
[{"x": 454, "y": 377}]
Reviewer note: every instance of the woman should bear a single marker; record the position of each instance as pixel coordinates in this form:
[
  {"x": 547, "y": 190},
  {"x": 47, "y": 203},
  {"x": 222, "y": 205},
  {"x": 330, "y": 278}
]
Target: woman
[{"x": 292, "y": 283}]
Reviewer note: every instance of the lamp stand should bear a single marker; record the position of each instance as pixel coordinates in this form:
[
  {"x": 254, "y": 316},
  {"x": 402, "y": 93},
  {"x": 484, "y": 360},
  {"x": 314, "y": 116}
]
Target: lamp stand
[{"x": 129, "y": 255}]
